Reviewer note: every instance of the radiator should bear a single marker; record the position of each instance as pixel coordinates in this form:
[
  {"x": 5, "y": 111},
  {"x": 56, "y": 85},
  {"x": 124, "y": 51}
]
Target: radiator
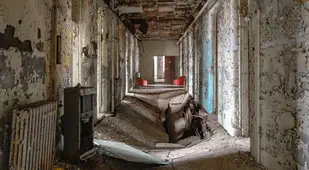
[{"x": 33, "y": 137}]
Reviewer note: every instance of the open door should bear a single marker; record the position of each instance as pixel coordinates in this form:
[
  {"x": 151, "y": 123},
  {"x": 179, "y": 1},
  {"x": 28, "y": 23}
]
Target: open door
[{"x": 169, "y": 72}]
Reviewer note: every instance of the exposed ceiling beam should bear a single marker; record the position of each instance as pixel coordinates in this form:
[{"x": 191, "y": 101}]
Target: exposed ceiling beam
[{"x": 128, "y": 25}]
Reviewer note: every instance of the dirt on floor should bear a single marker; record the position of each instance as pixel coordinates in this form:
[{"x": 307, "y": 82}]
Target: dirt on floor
[{"x": 218, "y": 151}]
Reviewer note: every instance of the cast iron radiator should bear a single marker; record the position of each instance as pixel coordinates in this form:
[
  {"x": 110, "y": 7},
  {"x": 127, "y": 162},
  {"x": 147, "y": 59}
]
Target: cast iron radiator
[{"x": 33, "y": 137}]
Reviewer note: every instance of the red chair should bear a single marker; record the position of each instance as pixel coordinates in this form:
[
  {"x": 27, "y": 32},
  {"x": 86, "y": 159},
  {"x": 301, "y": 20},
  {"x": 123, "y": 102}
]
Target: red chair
[
  {"x": 179, "y": 81},
  {"x": 141, "y": 82}
]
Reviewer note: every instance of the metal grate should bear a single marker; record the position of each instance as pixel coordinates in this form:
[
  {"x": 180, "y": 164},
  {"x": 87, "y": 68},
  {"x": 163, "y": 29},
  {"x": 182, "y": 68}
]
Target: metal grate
[{"x": 33, "y": 137}]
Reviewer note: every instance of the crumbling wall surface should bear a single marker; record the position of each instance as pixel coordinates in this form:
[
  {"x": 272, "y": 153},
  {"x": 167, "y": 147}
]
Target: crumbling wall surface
[
  {"x": 127, "y": 59},
  {"x": 191, "y": 57},
  {"x": 228, "y": 67},
  {"x": 181, "y": 73},
  {"x": 88, "y": 43},
  {"x": 198, "y": 40},
  {"x": 185, "y": 49},
  {"x": 137, "y": 57},
  {"x": 253, "y": 66},
  {"x": 117, "y": 58},
  {"x": 132, "y": 60},
  {"x": 65, "y": 31},
  {"x": 24, "y": 57},
  {"x": 206, "y": 62},
  {"x": 122, "y": 60},
  {"x": 199, "y": 55},
  {"x": 283, "y": 81}
]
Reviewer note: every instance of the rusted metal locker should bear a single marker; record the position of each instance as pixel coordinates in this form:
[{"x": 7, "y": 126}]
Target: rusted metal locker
[{"x": 79, "y": 115}]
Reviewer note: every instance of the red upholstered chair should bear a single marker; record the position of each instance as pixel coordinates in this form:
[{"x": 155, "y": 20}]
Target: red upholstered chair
[
  {"x": 179, "y": 81},
  {"x": 141, "y": 82}
]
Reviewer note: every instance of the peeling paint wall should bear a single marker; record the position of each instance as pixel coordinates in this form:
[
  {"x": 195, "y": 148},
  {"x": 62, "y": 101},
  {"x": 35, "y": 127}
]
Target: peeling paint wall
[
  {"x": 228, "y": 67},
  {"x": 279, "y": 103},
  {"x": 207, "y": 67},
  {"x": 198, "y": 40},
  {"x": 181, "y": 59},
  {"x": 68, "y": 46},
  {"x": 91, "y": 50},
  {"x": 198, "y": 48},
  {"x": 122, "y": 50},
  {"x": 190, "y": 63},
  {"x": 218, "y": 52},
  {"x": 86, "y": 40},
  {"x": 118, "y": 58},
  {"x": 88, "y": 43},
  {"x": 24, "y": 58},
  {"x": 185, "y": 48}
]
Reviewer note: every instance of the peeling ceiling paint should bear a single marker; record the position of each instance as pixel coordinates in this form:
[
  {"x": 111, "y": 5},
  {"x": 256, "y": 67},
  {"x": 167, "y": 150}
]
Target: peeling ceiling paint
[{"x": 167, "y": 19}]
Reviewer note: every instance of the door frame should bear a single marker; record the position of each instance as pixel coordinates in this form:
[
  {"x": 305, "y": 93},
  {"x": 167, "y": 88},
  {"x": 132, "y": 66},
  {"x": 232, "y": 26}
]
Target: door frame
[{"x": 155, "y": 76}]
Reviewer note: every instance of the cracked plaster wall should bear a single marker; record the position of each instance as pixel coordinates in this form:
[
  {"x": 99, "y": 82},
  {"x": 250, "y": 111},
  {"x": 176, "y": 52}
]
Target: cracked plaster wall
[
  {"x": 228, "y": 66},
  {"x": 186, "y": 60},
  {"x": 25, "y": 35},
  {"x": 181, "y": 58},
  {"x": 91, "y": 41},
  {"x": 279, "y": 107},
  {"x": 24, "y": 58},
  {"x": 278, "y": 99},
  {"x": 122, "y": 60},
  {"x": 198, "y": 59},
  {"x": 208, "y": 56},
  {"x": 218, "y": 52},
  {"x": 191, "y": 63}
]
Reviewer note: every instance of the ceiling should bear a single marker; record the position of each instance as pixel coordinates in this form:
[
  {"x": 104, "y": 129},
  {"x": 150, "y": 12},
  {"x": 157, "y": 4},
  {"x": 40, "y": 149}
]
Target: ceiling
[{"x": 167, "y": 19}]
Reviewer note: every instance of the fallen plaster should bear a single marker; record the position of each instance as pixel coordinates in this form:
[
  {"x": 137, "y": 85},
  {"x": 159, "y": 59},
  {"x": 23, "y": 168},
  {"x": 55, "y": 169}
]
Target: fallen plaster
[
  {"x": 128, "y": 153},
  {"x": 221, "y": 151}
]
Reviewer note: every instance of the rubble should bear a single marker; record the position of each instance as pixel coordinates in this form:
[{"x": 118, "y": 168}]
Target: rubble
[
  {"x": 205, "y": 143},
  {"x": 169, "y": 146},
  {"x": 122, "y": 151},
  {"x": 186, "y": 120}
]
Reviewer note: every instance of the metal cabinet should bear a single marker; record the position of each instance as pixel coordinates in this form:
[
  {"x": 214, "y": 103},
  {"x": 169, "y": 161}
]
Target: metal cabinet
[{"x": 79, "y": 115}]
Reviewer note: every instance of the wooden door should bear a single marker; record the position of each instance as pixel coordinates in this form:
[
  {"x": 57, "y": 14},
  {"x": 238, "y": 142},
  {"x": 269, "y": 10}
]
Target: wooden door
[{"x": 169, "y": 71}]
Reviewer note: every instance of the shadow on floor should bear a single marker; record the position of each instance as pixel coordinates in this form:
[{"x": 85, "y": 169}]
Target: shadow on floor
[
  {"x": 138, "y": 124},
  {"x": 236, "y": 161}
]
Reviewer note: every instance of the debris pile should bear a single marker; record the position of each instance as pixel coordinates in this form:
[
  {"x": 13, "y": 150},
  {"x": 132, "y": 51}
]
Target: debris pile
[{"x": 187, "y": 121}]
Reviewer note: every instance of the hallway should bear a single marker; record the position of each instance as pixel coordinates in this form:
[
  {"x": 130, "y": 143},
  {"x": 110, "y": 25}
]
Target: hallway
[
  {"x": 134, "y": 126},
  {"x": 204, "y": 84}
]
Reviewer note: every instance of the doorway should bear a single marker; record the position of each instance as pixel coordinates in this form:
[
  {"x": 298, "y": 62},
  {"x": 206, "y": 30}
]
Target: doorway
[{"x": 164, "y": 69}]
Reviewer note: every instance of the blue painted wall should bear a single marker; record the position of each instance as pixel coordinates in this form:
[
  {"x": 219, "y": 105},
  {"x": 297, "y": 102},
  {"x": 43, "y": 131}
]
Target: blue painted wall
[{"x": 206, "y": 71}]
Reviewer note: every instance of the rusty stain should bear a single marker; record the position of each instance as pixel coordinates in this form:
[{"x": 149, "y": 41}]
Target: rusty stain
[{"x": 66, "y": 61}]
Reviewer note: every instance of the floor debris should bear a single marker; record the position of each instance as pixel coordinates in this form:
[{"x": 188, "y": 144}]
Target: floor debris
[
  {"x": 168, "y": 146},
  {"x": 217, "y": 151},
  {"x": 122, "y": 151}
]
